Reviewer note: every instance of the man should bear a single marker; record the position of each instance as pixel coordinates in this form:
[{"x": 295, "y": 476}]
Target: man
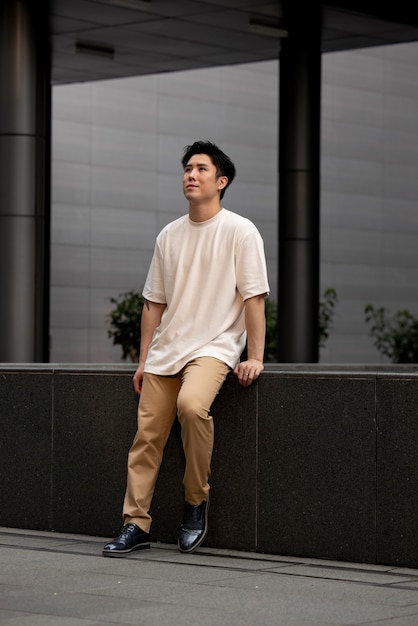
[{"x": 204, "y": 298}]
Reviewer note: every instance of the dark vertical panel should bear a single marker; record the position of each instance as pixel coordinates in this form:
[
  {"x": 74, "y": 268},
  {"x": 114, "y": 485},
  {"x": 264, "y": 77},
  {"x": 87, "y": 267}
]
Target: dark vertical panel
[
  {"x": 317, "y": 467},
  {"x": 25, "y": 96},
  {"x": 299, "y": 171},
  {"x": 25, "y": 449},
  {"x": 397, "y": 477},
  {"x": 94, "y": 426}
]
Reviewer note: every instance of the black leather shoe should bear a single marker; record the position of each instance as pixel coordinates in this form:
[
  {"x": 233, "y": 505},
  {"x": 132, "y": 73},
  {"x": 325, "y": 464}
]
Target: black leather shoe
[
  {"x": 131, "y": 538},
  {"x": 194, "y": 527}
]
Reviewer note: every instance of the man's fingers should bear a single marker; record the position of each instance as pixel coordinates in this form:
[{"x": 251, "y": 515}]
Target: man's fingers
[{"x": 248, "y": 371}]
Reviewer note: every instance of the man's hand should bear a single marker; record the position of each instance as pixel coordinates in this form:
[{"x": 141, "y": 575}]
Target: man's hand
[
  {"x": 248, "y": 371},
  {"x": 138, "y": 377}
]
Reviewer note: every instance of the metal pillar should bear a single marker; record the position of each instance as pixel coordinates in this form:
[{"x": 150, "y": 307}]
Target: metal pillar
[
  {"x": 25, "y": 103},
  {"x": 299, "y": 171}
]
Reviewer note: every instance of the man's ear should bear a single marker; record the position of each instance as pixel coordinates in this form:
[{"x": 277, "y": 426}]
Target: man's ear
[{"x": 222, "y": 182}]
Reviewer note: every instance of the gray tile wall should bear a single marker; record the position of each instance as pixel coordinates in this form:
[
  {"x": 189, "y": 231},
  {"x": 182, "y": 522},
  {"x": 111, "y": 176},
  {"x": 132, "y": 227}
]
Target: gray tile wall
[
  {"x": 117, "y": 180},
  {"x": 369, "y": 190}
]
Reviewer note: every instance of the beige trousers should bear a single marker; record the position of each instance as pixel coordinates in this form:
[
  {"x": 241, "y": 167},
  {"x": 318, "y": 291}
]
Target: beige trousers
[{"x": 189, "y": 395}]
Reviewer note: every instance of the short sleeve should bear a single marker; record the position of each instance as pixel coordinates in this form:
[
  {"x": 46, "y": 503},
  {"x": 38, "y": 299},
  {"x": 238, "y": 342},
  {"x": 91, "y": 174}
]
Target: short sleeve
[
  {"x": 251, "y": 267},
  {"x": 154, "y": 283}
]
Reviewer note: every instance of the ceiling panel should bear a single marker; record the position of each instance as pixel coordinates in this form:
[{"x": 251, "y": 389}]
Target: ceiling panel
[{"x": 92, "y": 39}]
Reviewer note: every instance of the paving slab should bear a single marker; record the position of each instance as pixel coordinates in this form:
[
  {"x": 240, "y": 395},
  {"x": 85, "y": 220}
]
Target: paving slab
[{"x": 53, "y": 579}]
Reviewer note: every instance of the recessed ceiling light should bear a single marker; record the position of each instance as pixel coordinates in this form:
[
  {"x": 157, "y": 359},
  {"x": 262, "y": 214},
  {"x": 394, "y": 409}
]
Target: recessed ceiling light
[
  {"x": 137, "y": 5},
  {"x": 95, "y": 48},
  {"x": 269, "y": 28}
]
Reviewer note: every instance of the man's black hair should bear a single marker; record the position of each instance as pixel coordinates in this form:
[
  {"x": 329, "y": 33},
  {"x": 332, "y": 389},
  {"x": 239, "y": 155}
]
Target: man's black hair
[{"x": 222, "y": 162}]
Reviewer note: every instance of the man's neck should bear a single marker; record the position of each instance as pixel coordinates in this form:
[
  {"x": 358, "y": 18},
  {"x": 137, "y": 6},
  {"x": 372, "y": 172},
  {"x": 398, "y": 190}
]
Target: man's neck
[{"x": 203, "y": 212}]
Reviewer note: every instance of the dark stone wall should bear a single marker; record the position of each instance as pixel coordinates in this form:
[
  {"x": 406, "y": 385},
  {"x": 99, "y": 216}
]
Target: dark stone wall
[
  {"x": 318, "y": 463},
  {"x": 397, "y": 471},
  {"x": 317, "y": 476},
  {"x": 93, "y": 427},
  {"x": 25, "y": 449}
]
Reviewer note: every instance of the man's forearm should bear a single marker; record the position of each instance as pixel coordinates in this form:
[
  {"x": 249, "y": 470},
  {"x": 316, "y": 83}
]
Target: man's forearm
[
  {"x": 255, "y": 323},
  {"x": 150, "y": 319}
]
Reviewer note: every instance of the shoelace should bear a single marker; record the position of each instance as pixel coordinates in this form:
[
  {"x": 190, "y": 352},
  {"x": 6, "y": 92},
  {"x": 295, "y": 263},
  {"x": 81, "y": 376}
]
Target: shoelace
[{"x": 127, "y": 530}]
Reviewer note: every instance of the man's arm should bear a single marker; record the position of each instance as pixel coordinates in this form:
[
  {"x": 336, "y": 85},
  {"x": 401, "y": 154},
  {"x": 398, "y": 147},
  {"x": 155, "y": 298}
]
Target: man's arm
[
  {"x": 255, "y": 324},
  {"x": 150, "y": 319}
]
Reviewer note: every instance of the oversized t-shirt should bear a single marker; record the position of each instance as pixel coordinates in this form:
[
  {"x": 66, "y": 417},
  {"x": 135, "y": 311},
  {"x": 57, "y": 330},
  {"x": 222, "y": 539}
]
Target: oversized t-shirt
[{"x": 203, "y": 272}]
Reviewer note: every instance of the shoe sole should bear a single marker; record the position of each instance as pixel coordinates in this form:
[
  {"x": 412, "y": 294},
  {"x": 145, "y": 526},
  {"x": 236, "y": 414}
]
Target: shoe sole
[{"x": 121, "y": 553}]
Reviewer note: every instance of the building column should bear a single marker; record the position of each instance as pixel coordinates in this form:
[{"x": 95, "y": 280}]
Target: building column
[
  {"x": 299, "y": 172},
  {"x": 25, "y": 118}
]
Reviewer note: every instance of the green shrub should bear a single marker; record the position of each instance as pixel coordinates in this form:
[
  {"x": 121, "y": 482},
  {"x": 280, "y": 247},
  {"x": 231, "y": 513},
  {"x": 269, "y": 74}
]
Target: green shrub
[
  {"x": 326, "y": 314},
  {"x": 270, "y": 352},
  {"x": 125, "y": 323},
  {"x": 395, "y": 336}
]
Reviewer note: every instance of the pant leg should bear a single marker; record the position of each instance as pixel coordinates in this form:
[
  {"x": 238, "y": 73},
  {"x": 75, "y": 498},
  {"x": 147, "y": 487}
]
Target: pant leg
[
  {"x": 156, "y": 415},
  {"x": 202, "y": 379}
]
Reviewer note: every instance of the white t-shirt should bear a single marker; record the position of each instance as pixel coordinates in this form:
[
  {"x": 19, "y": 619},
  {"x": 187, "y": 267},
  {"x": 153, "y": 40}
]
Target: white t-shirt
[{"x": 203, "y": 272}]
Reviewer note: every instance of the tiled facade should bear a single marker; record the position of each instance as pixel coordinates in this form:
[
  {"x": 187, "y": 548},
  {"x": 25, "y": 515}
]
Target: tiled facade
[{"x": 116, "y": 180}]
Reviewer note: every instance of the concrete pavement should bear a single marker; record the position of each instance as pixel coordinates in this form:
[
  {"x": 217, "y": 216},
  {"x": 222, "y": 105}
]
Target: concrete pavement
[{"x": 51, "y": 579}]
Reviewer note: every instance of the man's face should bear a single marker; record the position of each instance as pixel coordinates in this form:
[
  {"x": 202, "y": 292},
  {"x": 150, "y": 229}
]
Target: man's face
[{"x": 200, "y": 180}]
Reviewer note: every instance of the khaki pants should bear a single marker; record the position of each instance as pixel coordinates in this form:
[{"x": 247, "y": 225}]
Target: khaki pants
[{"x": 189, "y": 395}]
